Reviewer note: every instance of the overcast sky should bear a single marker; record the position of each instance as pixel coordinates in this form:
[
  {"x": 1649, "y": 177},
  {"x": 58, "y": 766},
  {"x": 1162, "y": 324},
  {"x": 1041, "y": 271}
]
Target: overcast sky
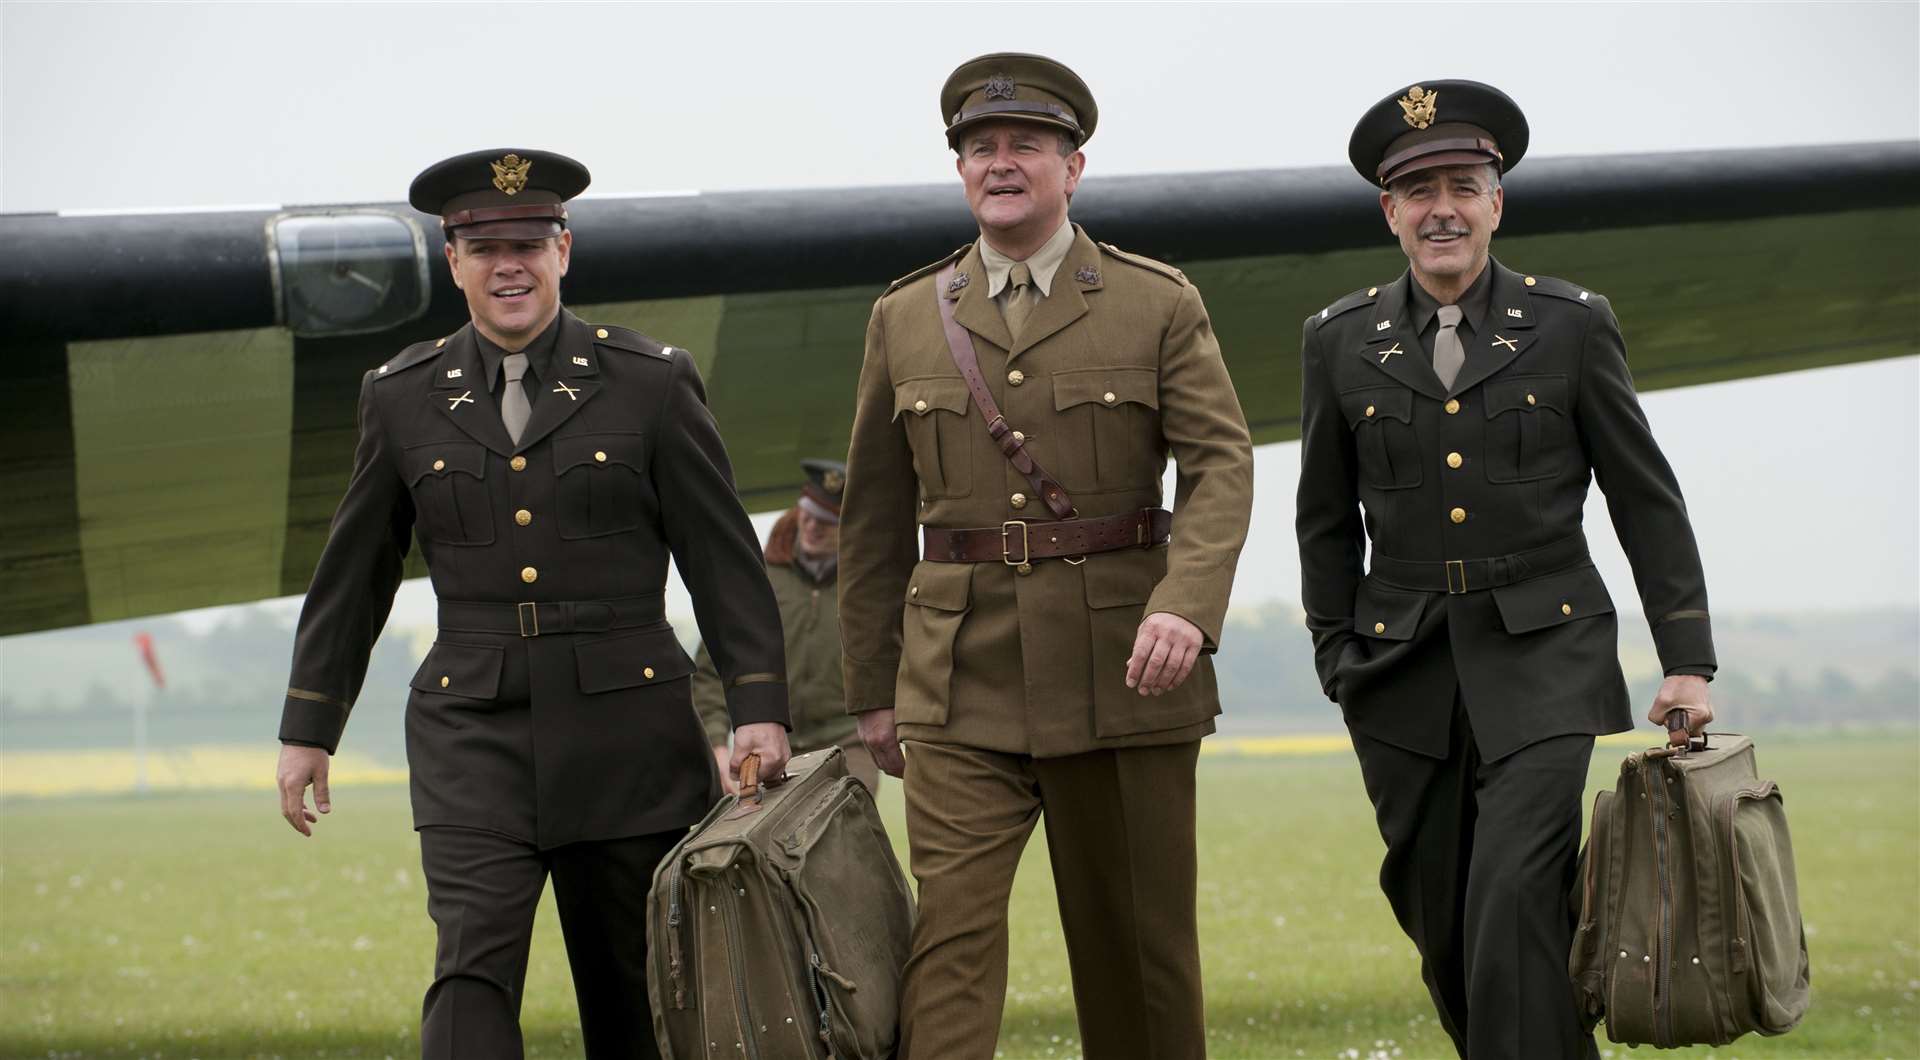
[{"x": 1802, "y": 497}]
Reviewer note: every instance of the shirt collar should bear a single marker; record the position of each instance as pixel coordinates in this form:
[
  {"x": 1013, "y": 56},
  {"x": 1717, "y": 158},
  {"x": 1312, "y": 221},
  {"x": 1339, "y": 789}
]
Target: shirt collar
[
  {"x": 1473, "y": 304},
  {"x": 1043, "y": 264},
  {"x": 539, "y": 352}
]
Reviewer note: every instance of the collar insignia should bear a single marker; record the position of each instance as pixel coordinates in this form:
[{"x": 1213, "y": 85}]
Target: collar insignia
[
  {"x": 581, "y": 361},
  {"x": 959, "y": 280},
  {"x": 1087, "y": 274},
  {"x": 510, "y": 173},
  {"x": 1419, "y": 106},
  {"x": 999, "y": 86},
  {"x": 1501, "y": 340},
  {"x": 454, "y": 403},
  {"x": 1384, "y": 354},
  {"x": 454, "y": 373},
  {"x": 567, "y": 390},
  {"x": 1383, "y": 325}
]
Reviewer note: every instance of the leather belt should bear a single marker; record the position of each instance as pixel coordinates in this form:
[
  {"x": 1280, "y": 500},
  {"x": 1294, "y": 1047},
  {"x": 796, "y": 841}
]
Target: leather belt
[
  {"x": 542, "y": 618},
  {"x": 1018, "y": 542},
  {"x": 1456, "y": 576}
]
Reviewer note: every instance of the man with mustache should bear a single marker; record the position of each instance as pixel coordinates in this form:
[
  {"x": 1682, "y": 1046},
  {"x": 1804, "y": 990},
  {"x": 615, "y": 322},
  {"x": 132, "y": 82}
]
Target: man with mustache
[
  {"x": 1050, "y": 653},
  {"x": 548, "y": 467},
  {"x": 1465, "y": 406}
]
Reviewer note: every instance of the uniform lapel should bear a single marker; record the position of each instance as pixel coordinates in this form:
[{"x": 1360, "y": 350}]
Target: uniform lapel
[
  {"x": 572, "y": 385},
  {"x": 1505, "y": 334},
  {"x": 462, "y": 393},
  {"x": 1391, "y": 345},
  {"x": 972, "y": 308},
  {"x": 1066, "y": 303}
]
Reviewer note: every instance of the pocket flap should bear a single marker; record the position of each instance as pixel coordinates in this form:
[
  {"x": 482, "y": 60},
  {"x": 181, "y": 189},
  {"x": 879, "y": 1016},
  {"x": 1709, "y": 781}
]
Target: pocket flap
[
  {"x": 1552, "y": 600},
  {"x": 1107, "y": 387},
  {"x": 469, "y": 670},
  {"x": 1386, "y": 614},
  {"x": 1119, "y": 579},
  {"x": 1375, "y": 403},
  {"x": 630, "y": 660},
  {"x": 923, "y": 396},
  {"x": 942, "y": 586},
  {"x": 1526, "y": 393},
  {"x": 445, "y": 458},
  {"x": 626, "y": 448}
]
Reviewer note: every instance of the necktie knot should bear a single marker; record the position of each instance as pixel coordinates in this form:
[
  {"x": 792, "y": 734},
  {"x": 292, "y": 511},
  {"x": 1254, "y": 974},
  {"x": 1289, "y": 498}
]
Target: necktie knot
[
  {"x": 1021, "y": 276},
  {"x": 1450, "y": 316},
  {"x": 515, "y": 365}
]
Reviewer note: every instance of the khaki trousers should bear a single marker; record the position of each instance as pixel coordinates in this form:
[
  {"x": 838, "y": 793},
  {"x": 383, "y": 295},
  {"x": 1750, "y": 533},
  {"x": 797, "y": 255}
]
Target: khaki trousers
[{"x": 1120, "y": 833}]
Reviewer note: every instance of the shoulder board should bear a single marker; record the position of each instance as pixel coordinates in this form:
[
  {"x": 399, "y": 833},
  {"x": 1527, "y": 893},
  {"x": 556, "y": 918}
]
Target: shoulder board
[
  {"x": 1342, "y": 305},
  {"x": 927, "y": 269},
  {"x": 1146, "y": 263},
  {"x": 1559, "y": 288},
  {"x": 616, "y": 337},
  {"x": 418, "y": 353}
]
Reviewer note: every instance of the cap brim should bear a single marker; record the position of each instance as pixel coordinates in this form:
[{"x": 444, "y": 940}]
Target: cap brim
[
  {"x": 954, "y": 130},
  {"x": 1438, "y": 159},
  {"x": 529, "y": 228}
]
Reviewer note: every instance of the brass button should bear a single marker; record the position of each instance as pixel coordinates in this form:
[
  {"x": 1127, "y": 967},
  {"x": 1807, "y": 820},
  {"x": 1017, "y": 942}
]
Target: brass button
[
  {"x": 1454, "y": 460},
  {"x": 523, "y": 517},
  {"x": 648, "y": 672},
  {"x": 600, "y": 456},
  {"x": 1024, "y": 568},
  {"x": 1371, "y": 291},
  {"x": 1019, "y": 436},
  {"x": 445, "y": 681},
  {"x": 529, "y": 575},
  {"x": 913, "y": 590},
  {"x": 1458, "y": 515},
  {"x": 1531, "y": 281},
  {"x": 1379, "y": 627},
  {"x": 1016, "y": 377},
  {"x": 1530, "y": 400},
  {"x": 1566, "y": 609},
  {"x": 439, "y": 465},
  {"x": 1453, "y": 406},
  {"x": 1018, "y": 500},
  {"x": 1369, "y": 410},
  {"x": 518, "y": 463},
  {"x": 1108, "y": 397},
  {"x": 439, "y": 344},
  {"x": 601, "y": 334},
  {"x": 919, "y": 406}
]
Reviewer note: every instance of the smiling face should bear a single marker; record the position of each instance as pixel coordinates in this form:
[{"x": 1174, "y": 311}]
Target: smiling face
[
  {"x": 1017, "y": 181},
  {"x": 512, "y": 285},
  {"x": 1445, "y": 218}
]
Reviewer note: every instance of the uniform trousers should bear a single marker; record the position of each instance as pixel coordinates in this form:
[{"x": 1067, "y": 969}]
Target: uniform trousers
[
  {"x": 1120, "y": 834},
  {"x": 482, "y": 890},
  {"x": 1480, "y": 859}
]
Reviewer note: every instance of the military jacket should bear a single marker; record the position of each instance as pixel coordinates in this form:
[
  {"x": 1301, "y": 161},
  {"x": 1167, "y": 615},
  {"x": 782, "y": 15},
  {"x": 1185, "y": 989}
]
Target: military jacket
[
  {"x": 619, "y": 467},
  {"x": 1116, "y": 369},
  {"x": 810, "y": 613},
  {"x": 1495, "y": 466}
]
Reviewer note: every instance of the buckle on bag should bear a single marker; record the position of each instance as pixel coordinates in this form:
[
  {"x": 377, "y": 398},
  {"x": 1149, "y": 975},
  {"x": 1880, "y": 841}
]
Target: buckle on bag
[
  {"x": 529, "y": 616},
  {"x": 1006, "y": 554},
  {"x": 1456, "y": 585}
]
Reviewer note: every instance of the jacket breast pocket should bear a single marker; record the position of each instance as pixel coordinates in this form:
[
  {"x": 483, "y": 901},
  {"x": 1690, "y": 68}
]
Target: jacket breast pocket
[
  {"x": 1527, "y": 431},
  {"x": 449, "y": 485},
  {"x": 642, "y": 659},
  {"x": 935, "y": 410},
  {"x": 1106, "y": 434},
  {"x": 1381, "y": 418},
  {"x": 938, "y": 599},
  {"x": 602, "y": 483}
]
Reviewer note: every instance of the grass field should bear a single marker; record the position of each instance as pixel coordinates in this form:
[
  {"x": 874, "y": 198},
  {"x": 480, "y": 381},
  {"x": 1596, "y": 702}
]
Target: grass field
[{"x": 196, "y": 924}]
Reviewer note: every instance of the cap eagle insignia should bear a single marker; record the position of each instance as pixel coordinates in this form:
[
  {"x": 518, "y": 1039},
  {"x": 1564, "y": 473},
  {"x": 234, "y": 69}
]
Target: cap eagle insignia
[
  {"x": 832, "y": 481},
  {"x": 1000, "y": 86},
  {"x": 510, "y": 173},
  {"x": 1419, "y": 106}
]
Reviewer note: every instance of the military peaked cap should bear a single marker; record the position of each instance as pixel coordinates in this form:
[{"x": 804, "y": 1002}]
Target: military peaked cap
[
  {"x": 1019, "y": 87},
  {"x": 1437, "y": 123},
  {"x": 820, "y": 495},
  {"x": 500, "y": 194}
]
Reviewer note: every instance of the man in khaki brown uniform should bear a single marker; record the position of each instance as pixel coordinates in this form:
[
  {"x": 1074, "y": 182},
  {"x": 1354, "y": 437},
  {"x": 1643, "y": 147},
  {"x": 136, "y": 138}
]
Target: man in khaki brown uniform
[{"x": 1050, "y": 652}]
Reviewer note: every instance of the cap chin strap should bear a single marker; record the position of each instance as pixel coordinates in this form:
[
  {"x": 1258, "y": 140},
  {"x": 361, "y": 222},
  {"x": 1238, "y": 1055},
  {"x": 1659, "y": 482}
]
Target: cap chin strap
[
  {"x": 1018, "y": 107},
  {"x": 532, "y": 211},
  {"x": 1433, "y": 147}
]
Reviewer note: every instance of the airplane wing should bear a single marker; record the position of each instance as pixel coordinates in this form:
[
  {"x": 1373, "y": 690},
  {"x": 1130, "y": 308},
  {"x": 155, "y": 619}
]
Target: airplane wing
[{"x": 179, "y": 389}]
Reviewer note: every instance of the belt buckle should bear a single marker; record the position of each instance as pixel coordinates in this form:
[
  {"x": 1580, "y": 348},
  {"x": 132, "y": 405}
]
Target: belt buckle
[
  {"x": 1026, "y": 550},
  {"x": 529, "y": 616},
  {"x": 1452, "y": 566}
]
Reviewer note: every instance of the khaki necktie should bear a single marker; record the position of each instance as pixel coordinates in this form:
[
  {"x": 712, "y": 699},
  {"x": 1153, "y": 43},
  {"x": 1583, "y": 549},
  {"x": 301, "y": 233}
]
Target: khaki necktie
[
  {"x": 1019, "y": 298},
  {"x": 514, "y": 408},
  {"x": 1448, "y": 354}
]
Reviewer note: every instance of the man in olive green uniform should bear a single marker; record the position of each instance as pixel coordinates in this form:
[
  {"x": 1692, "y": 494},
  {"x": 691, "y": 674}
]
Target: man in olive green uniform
[
  {"x": 1465, "y": 407},
  {"x": 549, "y": 468},
  {"x": 1050, "y": 653},
  {"x": 803, "y": 563}
]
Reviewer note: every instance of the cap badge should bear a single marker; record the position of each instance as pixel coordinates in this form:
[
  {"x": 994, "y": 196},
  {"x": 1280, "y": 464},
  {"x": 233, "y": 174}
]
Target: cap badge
[
  {"x": 1000, "y": 86},
  {"x": 1087, "y": 274},
  {"x": 510, "y": 173},
  {"x": 832, "y": 481},
  {"x": 959, "y": 280},
  {"x": 1419, "y": 106}
]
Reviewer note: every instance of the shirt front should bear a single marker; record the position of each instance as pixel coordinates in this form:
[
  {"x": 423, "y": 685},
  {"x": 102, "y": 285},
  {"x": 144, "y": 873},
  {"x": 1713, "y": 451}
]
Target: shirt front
[
  {"x": 1473, "y": 310},
  {"x": 1044, "y": 263},
  {"x": 539, "y": 361}
]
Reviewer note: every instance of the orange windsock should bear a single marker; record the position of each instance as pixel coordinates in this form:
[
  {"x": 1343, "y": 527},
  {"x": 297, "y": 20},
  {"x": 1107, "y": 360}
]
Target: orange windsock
[{"x": 144, "y": 642}]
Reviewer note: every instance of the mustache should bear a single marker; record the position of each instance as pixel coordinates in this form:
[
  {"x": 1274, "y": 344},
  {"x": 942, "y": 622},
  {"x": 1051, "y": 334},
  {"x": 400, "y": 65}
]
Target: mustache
[{"x": 1444, "y": 230}]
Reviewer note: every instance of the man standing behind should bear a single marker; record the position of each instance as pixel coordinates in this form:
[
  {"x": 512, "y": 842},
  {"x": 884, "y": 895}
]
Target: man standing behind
[
  {"x": 1050, "y": 653},
  {"x": 803, "y": 563},
  {"x": 1465, "y": 406},
  {"x": 548, "y": 468}
]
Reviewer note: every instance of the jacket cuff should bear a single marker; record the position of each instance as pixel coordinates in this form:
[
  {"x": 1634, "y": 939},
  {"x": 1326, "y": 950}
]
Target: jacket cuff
[
  {"x": 1685, "y": 643},
  {"x": 313, "y": 723},
  {"x": 870, "y": 683},
  {"x": 1194, "y": 606},
  {"x": 762, "y": 701}
]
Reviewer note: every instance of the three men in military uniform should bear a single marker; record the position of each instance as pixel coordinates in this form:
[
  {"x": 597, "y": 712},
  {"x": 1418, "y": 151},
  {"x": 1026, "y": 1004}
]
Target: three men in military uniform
[
  {"x": 1465, "y": 406},
  {"x": 1050, "y": 654},
  {"x": 549, "y": 468}
]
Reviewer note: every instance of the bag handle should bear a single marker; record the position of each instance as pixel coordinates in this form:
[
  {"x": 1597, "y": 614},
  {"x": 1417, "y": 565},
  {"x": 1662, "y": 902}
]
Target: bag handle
[{"x": 1679, "y": 740}]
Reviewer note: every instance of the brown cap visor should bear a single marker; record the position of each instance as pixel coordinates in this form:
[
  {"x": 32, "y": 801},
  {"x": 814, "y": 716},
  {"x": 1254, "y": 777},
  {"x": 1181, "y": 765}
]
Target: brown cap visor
[
  {"x": 1017, "y": 110},
  {"x": 531, "y": 221},
  {"x": 1451, "y": 151}
]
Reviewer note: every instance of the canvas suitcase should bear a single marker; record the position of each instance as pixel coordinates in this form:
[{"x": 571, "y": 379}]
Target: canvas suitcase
[
  {"x": 1689, "y": 926},
  {"x": 777, "y": 930}
]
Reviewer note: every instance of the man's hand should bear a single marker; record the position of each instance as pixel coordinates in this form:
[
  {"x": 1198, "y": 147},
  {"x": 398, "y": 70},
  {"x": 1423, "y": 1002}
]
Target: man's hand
[
  {"x": 1163, "y": 653},
  {"x": 1685, "y": 692},
  {"x": 883, "y": 740},
  {"x": 299, "y": 767},
  {"x": 768, "y": 739},
  {"x": 724, "y": 758}
]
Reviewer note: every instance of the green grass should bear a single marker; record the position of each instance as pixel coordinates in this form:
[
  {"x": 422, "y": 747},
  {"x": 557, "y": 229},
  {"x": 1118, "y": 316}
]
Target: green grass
[{"x": 200, "y": 926}]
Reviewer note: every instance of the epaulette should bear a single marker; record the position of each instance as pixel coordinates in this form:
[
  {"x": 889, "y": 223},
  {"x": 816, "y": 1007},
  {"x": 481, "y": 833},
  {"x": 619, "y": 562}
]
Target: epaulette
[
  {"x": 619, "y": 338},
  {"x": 418, "y": 353},
  {"x": 1148, "y": 264},
  {"x": 925, "y": 269},
  {"x": 1559, "y": 288},
  {"x": 1342, "y": 305}
]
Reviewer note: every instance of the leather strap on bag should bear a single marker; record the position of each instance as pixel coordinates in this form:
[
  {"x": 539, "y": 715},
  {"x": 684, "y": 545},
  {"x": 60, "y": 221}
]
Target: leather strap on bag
[{"x": 960, "y": 344}]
